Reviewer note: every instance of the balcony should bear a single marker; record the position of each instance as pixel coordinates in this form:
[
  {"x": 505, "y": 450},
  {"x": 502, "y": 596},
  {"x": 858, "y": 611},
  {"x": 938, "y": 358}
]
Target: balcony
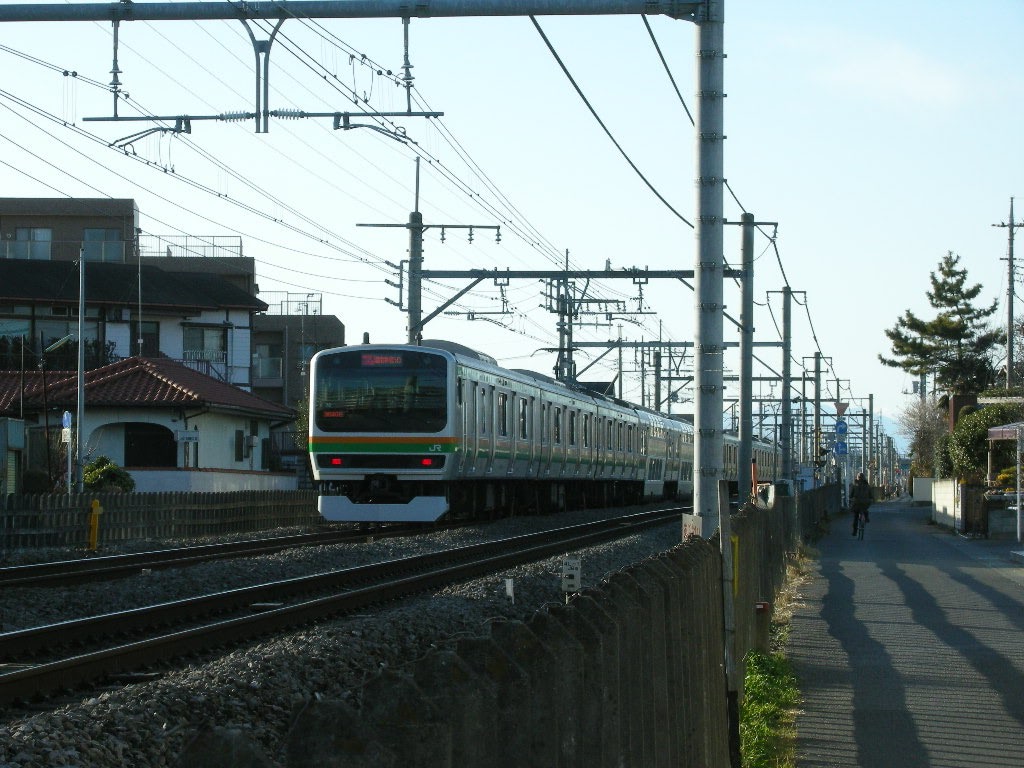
[
  {"x": 267, "y": 371},
  {"x": 212, "y": 362}
]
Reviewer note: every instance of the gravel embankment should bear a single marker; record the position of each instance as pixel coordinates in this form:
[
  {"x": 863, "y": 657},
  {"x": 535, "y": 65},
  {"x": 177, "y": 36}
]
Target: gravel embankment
[{"x": 258, "y": 688}]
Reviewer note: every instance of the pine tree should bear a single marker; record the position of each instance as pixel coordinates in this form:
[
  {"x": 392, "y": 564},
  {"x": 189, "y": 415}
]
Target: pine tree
[{"x": 956, "y": 345}]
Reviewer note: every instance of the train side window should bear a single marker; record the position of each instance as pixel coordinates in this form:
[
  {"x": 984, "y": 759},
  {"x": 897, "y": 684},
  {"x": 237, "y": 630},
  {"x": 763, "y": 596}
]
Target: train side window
[
  {"x": 572, "y": 427},
  {"x": 458, "y": 390},
  {"x": 629, "y": 438},
  {"x": 586, "y": 430},
  {"x": 503, "y": 414},
  {"x": 618, "y": 433},
  {"x": 524, "y": 418},
  {"x": 557, "y": 426},
  {"x": 543, "y": 422}
]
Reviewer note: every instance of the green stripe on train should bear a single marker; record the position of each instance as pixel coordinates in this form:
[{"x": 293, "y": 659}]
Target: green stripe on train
[{"x": 424, "y": 448}]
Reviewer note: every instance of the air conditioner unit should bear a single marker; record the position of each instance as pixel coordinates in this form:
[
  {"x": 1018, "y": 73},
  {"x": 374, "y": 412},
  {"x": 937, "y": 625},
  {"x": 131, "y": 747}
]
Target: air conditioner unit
[{"x": 252, "y": 440}]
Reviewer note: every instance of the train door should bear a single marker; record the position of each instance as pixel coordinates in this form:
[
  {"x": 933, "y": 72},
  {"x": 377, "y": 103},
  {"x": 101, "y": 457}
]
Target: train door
[
  {"x": 557, "y": 441},
  {"x": 472, "y": 438},
  {"x": 587, "y": 446},
  {"x": 549, "y": 439},
  {"x": 528, "y": 434},
  {"x": 504, "y": 437},
  {"x": 486, "y": 426},
  {"x": 462, "y": 458}
]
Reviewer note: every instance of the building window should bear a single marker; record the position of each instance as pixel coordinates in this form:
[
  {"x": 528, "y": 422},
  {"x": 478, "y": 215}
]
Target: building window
[
  {"x": 150, "y": 330},
  {"x": 31, "y": 243},
  {"x": 201, "y": 343},
  {"x": 102, "y": 245}
]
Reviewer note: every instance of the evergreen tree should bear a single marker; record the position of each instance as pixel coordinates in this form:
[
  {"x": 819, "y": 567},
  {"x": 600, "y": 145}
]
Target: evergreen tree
[{"x": 956, "y": 345}]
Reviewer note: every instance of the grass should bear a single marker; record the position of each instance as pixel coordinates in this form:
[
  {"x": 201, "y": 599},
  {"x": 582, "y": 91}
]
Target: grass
[
  {"x": 771, "y": 696},
  {"x": 768, "y": 714}
]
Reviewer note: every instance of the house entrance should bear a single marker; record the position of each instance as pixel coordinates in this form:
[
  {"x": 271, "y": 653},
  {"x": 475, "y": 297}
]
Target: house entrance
[{"x": 149, "y": 445}]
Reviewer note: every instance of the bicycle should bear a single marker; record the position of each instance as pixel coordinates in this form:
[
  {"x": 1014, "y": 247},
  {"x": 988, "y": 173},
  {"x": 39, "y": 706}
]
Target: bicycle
[{"x": 862, "y": 520}]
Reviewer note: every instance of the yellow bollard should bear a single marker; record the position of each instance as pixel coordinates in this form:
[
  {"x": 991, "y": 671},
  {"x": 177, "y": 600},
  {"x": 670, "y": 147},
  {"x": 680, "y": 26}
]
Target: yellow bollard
[{"x": 94, "y": 523}]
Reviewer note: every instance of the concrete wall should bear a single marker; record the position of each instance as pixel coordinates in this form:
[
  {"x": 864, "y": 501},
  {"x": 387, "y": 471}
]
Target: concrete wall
[
  {"x": 945, "y": 502},
  {"x": 211, "y": 480},
  {"x": 923, "y": 490}
]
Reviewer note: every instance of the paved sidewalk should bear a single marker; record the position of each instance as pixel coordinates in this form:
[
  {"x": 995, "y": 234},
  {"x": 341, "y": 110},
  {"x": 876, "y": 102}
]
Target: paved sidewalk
[{"x": 909, "y": 646}]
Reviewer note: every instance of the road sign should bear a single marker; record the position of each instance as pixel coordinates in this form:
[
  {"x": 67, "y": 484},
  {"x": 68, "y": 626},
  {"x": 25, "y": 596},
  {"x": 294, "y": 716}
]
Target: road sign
[
  {"x": 66, "y": 420},
  {"x": 840, "y": 448},
  {"x": 841, "y": 427}
]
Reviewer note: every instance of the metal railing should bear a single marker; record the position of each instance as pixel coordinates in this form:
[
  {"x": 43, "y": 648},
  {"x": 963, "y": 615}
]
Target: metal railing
[{"x": 189, "y": 246}]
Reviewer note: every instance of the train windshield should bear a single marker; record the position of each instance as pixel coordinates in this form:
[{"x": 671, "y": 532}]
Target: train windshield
[{"x": 380, "y": 391}]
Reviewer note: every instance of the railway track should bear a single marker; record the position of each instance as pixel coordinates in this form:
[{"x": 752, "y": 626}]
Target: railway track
[
  {"x": 65, "y": 572},
  {"x": 89, "y": 650}
]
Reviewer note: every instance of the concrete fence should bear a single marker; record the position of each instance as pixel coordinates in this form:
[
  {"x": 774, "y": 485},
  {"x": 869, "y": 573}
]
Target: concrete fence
[
  {"x": 629, "y": 673},
  {"x": 62, "y": 520}
]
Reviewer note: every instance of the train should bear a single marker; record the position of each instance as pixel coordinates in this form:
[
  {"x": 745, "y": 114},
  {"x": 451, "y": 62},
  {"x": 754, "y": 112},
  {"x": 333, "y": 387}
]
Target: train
[{"x": 416, "y": 433}]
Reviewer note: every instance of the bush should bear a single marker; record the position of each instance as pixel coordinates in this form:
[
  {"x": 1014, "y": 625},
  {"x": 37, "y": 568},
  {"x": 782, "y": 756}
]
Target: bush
[
  {"x": 35, "y": 481},
  {"x": 968, "y": 446},
  {"x": 104, "y": 475}
]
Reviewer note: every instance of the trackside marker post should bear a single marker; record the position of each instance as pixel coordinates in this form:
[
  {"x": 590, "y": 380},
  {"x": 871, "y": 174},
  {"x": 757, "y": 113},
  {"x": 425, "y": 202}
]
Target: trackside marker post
[{"x": 94, "y": 524}]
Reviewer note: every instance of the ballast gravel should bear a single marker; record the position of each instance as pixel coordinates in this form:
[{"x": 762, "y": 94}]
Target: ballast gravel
[{"x": 258, "y": 688}]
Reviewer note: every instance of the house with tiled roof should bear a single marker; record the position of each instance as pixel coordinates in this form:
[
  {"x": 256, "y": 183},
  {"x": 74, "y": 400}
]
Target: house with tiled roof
[
  {"x": 172, "y": 427},
  {"x": 190, "y": 298}
]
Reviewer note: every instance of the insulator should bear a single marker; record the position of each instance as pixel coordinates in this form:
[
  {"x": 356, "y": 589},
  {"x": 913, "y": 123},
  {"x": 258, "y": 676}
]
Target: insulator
[
  {"x": 288, "y": 114},
  {"x": 230, "y": 117}
]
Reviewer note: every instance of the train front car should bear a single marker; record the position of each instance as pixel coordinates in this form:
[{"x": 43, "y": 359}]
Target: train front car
[{"x": 381, "y": 437}]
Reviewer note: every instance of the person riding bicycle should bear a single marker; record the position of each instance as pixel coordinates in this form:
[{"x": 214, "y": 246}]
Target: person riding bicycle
[{"x": 860, "y": 499}]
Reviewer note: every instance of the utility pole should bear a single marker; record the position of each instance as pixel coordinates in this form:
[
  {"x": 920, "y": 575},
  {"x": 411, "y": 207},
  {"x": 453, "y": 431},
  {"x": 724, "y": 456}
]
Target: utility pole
[{"x": 1010, "y": 227}]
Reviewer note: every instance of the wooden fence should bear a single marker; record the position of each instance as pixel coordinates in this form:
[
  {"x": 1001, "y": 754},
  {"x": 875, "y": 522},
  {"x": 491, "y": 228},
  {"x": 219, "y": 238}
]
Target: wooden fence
[{"x": 62, "y": 520}]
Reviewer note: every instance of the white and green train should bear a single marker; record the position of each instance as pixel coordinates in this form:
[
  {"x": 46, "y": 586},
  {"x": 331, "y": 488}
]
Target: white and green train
[{"x": 403, "y": 433}]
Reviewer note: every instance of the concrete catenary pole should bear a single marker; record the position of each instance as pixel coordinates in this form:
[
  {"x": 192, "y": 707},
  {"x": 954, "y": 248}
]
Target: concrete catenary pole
[
  {"x": 708, "y": 270},
  {"x": 745, "y": 450},
  {"x": 786, "y": 440},
  {"x": 871, "y": 439},
  {"x": 818, "y": 475},
  {"x": 416, "y": 266}
]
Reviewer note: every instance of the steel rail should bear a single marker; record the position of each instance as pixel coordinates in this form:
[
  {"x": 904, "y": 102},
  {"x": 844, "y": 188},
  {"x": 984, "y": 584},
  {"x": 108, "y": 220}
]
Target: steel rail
[
  {"x": 60, "y": 572},
  {"x": 396, "y": 579}
]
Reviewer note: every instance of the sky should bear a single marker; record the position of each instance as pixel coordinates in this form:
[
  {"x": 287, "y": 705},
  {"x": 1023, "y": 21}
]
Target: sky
[{"x": 878, "y": 135}]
